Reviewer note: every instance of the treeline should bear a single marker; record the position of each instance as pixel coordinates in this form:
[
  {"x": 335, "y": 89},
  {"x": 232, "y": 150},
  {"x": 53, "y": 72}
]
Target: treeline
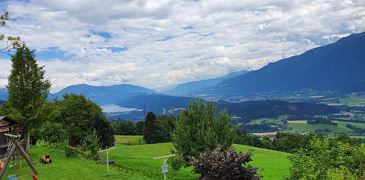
[
  {"x": 251, "y": 128},
  {"x": 155, "y": 129},
  {"x": 127, "y": 127},
  {"x": 356, "y": 130},
  {"x": 274, "y": 108},
  {"x": 289, "y": 142},
  {"x": 322, "y": 121}
]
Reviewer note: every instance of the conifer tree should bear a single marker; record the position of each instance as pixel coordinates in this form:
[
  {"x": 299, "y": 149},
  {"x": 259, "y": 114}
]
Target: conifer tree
[
  {"x": 150, "y": 128},
  {"x": 28, "y": 90}
]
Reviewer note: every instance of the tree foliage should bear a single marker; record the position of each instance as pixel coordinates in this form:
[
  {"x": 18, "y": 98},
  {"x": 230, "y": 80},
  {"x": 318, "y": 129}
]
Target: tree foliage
[
  {"x": 12, "y": 41},
  {"x": 28, "y": 90},
  {"x": 80, "y": 116},
  {"x": 327, "y": 159},
  {"x": 225, "y": 165},
  {"x": 201, "y": 128},
  {"x": 165, "y": 127},
  {"x": 149, "y": 128}
]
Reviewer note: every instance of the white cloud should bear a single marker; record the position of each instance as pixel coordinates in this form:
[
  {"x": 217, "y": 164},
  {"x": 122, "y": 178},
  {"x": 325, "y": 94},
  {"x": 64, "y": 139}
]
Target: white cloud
[{"x": 170, "y": 42}]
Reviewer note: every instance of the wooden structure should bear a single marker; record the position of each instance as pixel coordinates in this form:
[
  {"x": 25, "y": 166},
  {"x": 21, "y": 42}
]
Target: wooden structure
[
  {"x": 9, "y": 143},
  {"x": 8, "y": 126}
]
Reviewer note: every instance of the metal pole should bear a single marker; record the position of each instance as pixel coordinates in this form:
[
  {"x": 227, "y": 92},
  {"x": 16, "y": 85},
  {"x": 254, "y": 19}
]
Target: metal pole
[
  {"x": 107, "y": 160},
  {"x": 164, "y": 164}
]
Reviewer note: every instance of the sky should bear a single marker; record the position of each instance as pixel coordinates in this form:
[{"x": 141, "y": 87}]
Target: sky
[{"x": 160, "y": 43}]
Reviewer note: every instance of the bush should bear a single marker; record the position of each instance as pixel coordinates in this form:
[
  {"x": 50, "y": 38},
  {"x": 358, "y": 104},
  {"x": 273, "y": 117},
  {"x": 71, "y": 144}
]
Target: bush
[
  {"x": 176, "y": 163},
  {"x": 71, "y": 152},
  {"x": 224, "y": 164},
  {"x": 327, "y": 159}
]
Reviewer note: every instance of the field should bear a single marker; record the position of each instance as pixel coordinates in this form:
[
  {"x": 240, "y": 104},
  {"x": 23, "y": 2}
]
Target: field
[
  {"x": 340, "y": 128},
  {"x": 136, "y": 161},
  {"x": 352, "y": 101}
]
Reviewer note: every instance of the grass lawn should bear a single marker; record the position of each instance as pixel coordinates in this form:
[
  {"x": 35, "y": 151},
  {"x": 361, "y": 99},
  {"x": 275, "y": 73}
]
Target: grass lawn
[
  {"x": 136, "y": 162},
  {"x": 274, "y": 164},
  {"x": 129, "y": 140},
  {"x": 68, "y": 168},
  {"x": 139, "y": 158}
]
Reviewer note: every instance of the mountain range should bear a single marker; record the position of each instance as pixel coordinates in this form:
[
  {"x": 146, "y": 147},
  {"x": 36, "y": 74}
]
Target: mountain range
[
  {"x": 104, "y": 94},
  {"x": 337, "y": 67},
  {"x": 194, "y": 87}
]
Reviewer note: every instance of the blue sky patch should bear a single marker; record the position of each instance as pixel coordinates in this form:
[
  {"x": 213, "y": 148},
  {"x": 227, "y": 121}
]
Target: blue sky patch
[
  {"x": 166, "y": 38},
  {"x": 51, "y": 53},
  {"x": 103, "y": 34},
  {"x": 118, "y": 49}
]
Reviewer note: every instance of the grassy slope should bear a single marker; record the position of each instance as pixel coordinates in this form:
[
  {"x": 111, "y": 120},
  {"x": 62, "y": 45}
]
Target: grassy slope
[
  {"x": 135, "y": 162},
  {"x": 68, "y": 168},
  {"x": 139, "y": 158}
]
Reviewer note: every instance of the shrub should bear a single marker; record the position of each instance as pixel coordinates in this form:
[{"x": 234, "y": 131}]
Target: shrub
[
  {"x": 327, "y": 159},
  {"x": 224, "y": 164},
  {"x": 71, "y": 152},
  {"x": 176, "y": 163}
]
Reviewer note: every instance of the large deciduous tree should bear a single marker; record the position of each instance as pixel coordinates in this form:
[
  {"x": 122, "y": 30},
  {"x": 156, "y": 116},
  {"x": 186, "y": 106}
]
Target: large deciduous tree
[
  {"x": 28, "y": 90},
  {"x": 201, "y": 128},
  {"x": 80, "y": 117}
]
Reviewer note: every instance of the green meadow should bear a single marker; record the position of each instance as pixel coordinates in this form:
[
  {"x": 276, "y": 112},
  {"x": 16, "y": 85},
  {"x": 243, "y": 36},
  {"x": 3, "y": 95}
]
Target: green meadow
[{"x": 134, "y": 160}]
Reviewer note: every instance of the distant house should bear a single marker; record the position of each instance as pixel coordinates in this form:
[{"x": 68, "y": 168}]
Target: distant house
[{"x": 9, "y": 126}]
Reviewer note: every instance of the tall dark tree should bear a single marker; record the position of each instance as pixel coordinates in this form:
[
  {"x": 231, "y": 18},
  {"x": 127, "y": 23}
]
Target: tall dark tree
[
  {"x": 150, "y": 128},
  {"x": 28, "y": 90},
  {"x": 165, "y": 127}
]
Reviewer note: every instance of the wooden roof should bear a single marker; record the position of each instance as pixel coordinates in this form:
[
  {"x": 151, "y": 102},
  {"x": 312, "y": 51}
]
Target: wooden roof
[{"x": 7, "y": 124}]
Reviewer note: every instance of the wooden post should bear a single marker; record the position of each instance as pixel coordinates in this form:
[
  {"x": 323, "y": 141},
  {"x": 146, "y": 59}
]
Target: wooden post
[
  {"x": 22, "y": 152},
  {"x": 25, "y": 155},
  {"x": 5, "y": 165}
]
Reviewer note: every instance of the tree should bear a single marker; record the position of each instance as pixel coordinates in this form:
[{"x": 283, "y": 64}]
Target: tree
[
  {"x": 139, "y": 127},
  {"x": 80, "y": 116},
  {"x": 149, "y": 128},
  {"x": 28, "y": 90},
  {"x": 13, "y": 40},
  {"x": 326, "y": 158},
  {"x": 224, "y": 164},
  {"x": 200, "y": 128},
  {"x": 165, "y": 127}
]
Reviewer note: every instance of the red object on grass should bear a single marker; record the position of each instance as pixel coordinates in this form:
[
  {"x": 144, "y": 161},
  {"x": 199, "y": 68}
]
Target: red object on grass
[{"x": 35, "y": 177}]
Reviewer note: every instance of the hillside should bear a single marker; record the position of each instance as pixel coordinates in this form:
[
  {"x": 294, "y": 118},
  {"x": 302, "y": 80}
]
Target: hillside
[
  {"x": 246, "y": 110},
  {"x": 193, "y": 88},
  {"x": 336, "y": 67},
  {"x": 157, "y": 103},
  {"x": 136, "y": 162},
  {"x": 104, "y": 94},
  {"x": 249, "y": 110}
]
